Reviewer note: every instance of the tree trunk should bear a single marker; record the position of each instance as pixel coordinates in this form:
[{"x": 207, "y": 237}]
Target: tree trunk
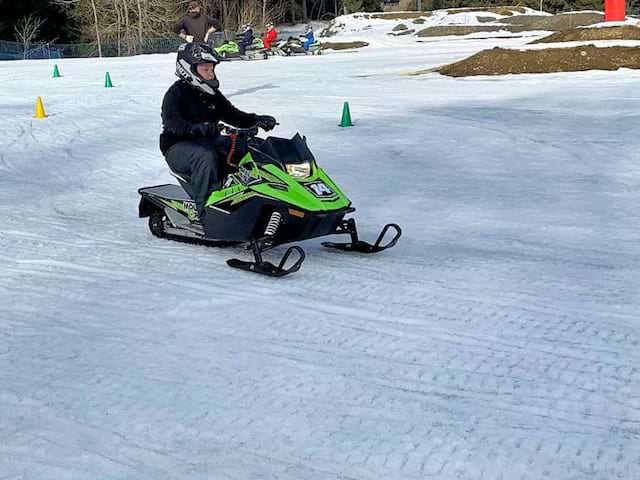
[
  {"x": 305, "y": 17},
  {"x": 293, "y": 11},
  {"x": 95, "y": 19},
  {"x": 119, "y": 23},
  {"x": 140, "y": 21}
]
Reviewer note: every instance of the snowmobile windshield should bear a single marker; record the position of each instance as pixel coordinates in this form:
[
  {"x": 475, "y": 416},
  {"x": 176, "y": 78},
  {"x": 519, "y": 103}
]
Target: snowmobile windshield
[{"x": 286, "y": 151}]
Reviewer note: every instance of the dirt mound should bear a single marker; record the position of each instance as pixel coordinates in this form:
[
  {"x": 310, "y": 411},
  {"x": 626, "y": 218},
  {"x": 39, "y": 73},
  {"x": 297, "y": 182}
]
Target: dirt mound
[
  {"x": 447, "y": 30},
  {"x": 561, "y": 21},
  {"x": 396, "y": 15},
  {"x": 500, "y": 61},
  {"x": 624, "y": 32},
  {"x": 507, "y": 11},
  {"x": 342, "y": 45}
]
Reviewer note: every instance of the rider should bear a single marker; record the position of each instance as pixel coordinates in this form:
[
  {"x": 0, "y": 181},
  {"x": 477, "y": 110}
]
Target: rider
[
  {"x": 246, "y": 38},
  {"x": 190, "y": 141},
  {"x": 270, "y": 36},
  {"x": 307, "y": 38}
]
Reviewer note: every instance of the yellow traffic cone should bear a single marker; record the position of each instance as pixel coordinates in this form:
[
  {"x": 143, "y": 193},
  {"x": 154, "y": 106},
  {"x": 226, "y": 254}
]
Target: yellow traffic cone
[{"x": 40, "y": 108}]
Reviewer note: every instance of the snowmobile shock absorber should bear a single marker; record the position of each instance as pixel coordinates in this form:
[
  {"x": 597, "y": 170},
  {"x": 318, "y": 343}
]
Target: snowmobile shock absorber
[{"x": 272, "y": 226}]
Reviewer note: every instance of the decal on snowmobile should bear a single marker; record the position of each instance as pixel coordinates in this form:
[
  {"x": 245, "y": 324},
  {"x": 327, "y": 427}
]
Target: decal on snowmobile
[
  {"x": 186, "y": 207},
  {"x": 242, "y": 197},
  {"x": 230, "y": 181},
  {"x": 190, "y": 208},
  {"x": 271, "y": 178},
  {"x": 246, "y": 176},
  {"x": 320, "y": 189}
]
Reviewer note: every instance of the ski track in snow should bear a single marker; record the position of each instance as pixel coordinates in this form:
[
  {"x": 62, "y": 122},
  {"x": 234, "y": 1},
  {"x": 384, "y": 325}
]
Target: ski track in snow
[{"x": 498, "y": 340}]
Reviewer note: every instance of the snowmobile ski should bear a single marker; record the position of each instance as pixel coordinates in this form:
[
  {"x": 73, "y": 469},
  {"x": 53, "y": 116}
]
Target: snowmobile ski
[
  {"x": 357, "y": 245},
  {"x": 267, "y": 268}
]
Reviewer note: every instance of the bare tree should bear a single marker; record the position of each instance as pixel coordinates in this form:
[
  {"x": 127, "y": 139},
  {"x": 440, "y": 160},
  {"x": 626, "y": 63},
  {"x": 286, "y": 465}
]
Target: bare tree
[
  {"x": 27, "y": 29},
  {"x": 95, "y": 19}
]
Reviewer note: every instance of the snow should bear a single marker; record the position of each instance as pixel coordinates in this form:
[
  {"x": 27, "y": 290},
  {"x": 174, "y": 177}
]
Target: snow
[
  {"x": 363, "y": 26},
  {"x": 498, "y": 339}
]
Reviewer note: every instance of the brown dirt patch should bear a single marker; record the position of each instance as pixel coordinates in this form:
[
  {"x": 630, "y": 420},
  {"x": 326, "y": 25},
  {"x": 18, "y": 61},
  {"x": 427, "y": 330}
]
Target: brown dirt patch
[
  {"x": 398, "y": 15},
  {"x": 507, "y": 11},
  {"x": 554, "y": 23},
  {"x": 399, "y": 27},
  {"x": 623, "y": 32},
  {"x": 447, "y": 30},
  {"x": 500, "y": 61},
  {"x": 399, "y": 34},
  {"x": 342, "y": 45}
]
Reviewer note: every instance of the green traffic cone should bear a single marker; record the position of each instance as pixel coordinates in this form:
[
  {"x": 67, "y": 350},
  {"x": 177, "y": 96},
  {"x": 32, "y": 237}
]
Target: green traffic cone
[
  {"x": 56, "y": 72},
  {"x": 346, "y": 116},
  {"x": 107, "y": 81}
]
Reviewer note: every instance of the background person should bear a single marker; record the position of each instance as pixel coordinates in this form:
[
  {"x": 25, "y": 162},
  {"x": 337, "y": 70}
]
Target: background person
[{"x": 196, "y": 26}]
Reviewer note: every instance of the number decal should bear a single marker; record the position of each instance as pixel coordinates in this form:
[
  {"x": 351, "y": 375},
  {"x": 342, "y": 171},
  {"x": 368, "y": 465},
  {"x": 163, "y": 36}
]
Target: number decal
[{"x": 320, "y": 189}]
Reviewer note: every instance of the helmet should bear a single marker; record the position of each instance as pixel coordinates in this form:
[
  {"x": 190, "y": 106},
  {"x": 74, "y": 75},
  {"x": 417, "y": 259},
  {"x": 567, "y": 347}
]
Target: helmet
[
  {"x": 190, "y": 55},
  {"x": 308, "y": 29}
]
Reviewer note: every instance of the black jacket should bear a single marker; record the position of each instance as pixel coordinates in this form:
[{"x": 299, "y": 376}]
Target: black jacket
[
  {"x": 197, "y": 26},
  {"x": 184, "y": 106}
]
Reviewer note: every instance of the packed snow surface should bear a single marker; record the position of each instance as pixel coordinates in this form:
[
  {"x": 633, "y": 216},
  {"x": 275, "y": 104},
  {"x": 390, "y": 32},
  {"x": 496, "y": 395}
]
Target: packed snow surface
[{"x": 498, "y": 340}]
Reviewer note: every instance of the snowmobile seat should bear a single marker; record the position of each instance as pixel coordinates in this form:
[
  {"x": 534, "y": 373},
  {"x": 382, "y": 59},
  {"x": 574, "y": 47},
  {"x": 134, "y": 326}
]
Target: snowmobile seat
[
  {"x": 184, "y": 180},
  {"x": 172, "y": 192}
]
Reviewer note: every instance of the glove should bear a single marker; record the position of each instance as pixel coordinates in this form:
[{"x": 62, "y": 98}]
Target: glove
[
  {"x": 204, "y": 129},
  {"x": 266, "y": 122}
]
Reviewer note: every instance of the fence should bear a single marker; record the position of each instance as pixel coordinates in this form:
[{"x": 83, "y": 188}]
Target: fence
[{"x": 19, "y": 51}]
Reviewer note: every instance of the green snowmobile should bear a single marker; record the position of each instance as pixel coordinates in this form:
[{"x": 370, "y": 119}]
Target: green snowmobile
[
  {"x": 230, "y": 50},
  {"x": 276, "y": 194}
]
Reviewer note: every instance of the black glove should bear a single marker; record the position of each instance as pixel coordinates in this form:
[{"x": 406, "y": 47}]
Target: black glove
[
  {"x": 204, "y": 129},
  {"x": 266, "y": 122}
]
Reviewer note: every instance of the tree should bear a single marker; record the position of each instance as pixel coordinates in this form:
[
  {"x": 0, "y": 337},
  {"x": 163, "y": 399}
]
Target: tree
[
  {"x": 26, "y": 30},
  {"x": 58, "y": 25}
]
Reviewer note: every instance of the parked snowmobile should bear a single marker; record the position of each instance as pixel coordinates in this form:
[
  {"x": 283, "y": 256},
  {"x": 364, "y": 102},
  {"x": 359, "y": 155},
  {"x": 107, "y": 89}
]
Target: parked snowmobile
[
  {"x": 230, "y": 50},
  {"x": 277, "y": 194},
  {"x": 293, "y": 46}
]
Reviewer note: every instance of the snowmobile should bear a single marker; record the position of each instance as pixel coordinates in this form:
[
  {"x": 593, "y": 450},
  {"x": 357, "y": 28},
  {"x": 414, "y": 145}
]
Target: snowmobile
[
  {"x": 275, "y": 194},
  {"x": 230, "y": 50},
  {"x": 294, "y": 46}
]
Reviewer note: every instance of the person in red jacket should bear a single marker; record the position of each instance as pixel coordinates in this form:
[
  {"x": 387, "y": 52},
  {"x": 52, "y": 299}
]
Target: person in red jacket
[{"x": 270, "y": 36}]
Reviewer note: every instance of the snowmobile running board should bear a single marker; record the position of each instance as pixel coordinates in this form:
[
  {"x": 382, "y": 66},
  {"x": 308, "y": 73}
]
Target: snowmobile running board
[
  {"x": 357, "y": 245},
  {"x": 268, "y": 268}
]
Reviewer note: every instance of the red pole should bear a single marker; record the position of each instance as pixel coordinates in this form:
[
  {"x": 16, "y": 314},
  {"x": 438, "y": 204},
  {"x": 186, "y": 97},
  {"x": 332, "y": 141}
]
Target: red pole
[{"x": 614, "y": 10}]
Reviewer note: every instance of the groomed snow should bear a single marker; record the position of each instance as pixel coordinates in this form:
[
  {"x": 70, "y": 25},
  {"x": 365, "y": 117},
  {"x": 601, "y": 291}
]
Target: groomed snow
[{"x": 498, "y": 340}]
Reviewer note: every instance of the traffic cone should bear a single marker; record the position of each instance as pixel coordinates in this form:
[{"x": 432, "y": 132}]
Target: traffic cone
[
  {"x": 56, "y": 72},
  {"x": 40, "y": 108},
  {"x": 346, "y": 116},
  {"x": 107, "y": 81}
]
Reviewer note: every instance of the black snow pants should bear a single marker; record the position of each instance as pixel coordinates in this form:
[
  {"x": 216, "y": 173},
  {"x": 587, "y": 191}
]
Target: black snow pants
[{"x": 204, "y": 161}]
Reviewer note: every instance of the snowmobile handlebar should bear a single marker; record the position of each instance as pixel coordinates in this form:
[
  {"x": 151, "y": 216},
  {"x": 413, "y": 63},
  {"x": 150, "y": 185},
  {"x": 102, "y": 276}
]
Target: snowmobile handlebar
[{"x": 249, "y": 132}]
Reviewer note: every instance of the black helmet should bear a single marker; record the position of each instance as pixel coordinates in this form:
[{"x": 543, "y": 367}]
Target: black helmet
[{"x": 190, "y": 55}]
